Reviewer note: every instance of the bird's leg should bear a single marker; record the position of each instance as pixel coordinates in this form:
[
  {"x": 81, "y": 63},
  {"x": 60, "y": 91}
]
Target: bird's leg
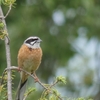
[
  {"x": 19, "y": 69},
  {"x": 36, "y": 79}
]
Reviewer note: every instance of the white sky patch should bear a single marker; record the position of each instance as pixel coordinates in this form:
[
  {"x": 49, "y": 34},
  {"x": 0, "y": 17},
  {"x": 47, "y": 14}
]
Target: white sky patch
[
  {"x": 61, "y": 72},
  {"x": 82, "y": 31},
  {"x": 58, "y": 18},
  {"x": 82, "y": 63}
]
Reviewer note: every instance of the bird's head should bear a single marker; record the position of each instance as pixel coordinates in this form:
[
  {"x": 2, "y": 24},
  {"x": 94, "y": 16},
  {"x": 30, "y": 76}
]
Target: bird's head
[{"x": 33, "y": 42}]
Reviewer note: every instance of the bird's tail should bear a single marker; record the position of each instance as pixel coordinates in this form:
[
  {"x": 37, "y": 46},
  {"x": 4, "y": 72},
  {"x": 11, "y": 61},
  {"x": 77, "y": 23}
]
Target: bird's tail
[{"x": 21, "y": 87}]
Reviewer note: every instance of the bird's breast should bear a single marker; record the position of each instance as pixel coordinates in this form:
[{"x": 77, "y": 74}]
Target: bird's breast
[{"x": 29, "y": 59}]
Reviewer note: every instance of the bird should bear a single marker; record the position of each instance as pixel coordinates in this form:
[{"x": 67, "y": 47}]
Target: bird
[{"x": 29, "y": 59}]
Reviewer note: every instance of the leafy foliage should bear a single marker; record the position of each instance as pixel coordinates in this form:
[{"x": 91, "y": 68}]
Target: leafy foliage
[
  {"x": 3, "y": 89},
  {"x": 7, "y": 2},
  {"x": 3, "y": 33},
  {"x": 79, "y": 18}
]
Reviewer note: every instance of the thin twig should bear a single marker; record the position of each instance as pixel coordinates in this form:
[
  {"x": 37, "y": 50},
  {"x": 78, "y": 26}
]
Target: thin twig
[
  {"x": 4, "y": 17},
  {"x": 25, "y": 97},
  {"x": 50, "y": 86},
  {"x": 8, "y": 11},
  {"x": 54, "y": 83},
  {"x": 27, "y": 94},
  {"x": 2, "y": 77}
]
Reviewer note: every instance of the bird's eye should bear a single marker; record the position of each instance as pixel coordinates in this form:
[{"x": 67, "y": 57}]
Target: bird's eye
[
  {"x": 31, "y": 40},
  {"x": 34, "y": 39}
]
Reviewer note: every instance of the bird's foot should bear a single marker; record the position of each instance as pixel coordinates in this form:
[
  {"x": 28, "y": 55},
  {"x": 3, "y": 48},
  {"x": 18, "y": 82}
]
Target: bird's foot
[
  {"x": 19, "y": 69},
  {"x": 36, "y": 79}
]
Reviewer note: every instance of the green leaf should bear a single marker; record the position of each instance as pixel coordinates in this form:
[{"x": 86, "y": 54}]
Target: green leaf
[
  {"x": 8, "y": 2},
  {"x": 61, "y": 79}
]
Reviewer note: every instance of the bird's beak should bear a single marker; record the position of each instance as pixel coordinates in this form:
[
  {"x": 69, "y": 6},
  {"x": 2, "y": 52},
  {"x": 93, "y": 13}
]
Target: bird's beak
[{"x": 40, "y": 40}]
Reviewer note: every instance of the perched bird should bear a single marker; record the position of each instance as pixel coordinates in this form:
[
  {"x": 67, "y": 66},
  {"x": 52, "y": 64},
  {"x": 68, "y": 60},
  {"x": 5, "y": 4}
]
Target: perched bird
[{"x": 29, "y": 59}]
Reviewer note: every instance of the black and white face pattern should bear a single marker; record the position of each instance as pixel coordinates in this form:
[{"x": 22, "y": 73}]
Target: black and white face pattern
[{"x": 33, "y": 42}]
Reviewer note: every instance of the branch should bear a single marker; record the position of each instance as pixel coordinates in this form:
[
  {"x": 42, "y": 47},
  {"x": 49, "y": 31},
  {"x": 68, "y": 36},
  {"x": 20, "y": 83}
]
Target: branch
[
  {"x": 9, "y": 85},
  {"x": 17, "y": 68},
  {"x": 43, "y": 85}
]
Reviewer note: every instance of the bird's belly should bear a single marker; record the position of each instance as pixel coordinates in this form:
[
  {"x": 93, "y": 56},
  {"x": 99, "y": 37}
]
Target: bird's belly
[
  {"x": 28, "y": 66},
  {"x": 31, "y": 65}
]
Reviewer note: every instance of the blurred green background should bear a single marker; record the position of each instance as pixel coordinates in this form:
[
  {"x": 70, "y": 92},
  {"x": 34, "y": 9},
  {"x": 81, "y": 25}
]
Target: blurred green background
[{"x": 70, "y": 31}]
